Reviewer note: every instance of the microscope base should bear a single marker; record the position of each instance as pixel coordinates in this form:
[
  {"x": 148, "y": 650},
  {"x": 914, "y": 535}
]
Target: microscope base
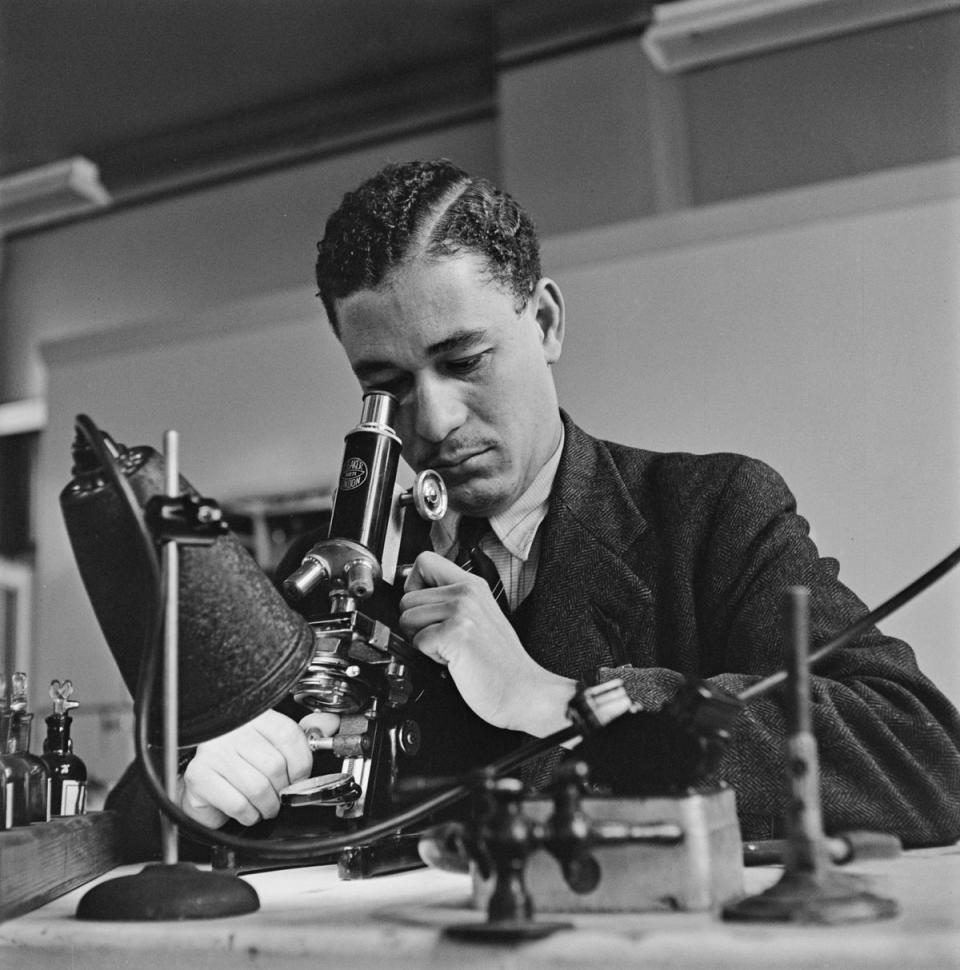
[{"x": 381, "y": 858}]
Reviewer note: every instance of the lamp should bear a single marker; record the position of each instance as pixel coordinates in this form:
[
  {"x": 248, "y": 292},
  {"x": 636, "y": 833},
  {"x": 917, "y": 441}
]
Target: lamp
[
  {"x": 102, "y": 507},
  {"x": 240, "y": 645}
]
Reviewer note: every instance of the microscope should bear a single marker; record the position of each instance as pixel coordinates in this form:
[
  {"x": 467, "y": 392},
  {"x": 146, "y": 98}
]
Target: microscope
[{"x": 401, "y": 717}]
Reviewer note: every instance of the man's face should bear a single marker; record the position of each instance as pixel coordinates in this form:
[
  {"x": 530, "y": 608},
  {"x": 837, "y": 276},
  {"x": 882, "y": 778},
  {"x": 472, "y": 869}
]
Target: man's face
[{"x": 476, "y": 397}]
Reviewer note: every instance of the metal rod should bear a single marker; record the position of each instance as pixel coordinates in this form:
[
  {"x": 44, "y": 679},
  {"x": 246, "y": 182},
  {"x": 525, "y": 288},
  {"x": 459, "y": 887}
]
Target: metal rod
[
  {"x": 810, "y": 890},
  {"x": 171, "y": 716},
  {"x": 805, "y": 849}
]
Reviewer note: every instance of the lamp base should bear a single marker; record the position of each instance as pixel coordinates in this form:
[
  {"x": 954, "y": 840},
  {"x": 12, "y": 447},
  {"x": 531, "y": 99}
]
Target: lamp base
[{"x": 177, "y": 891}]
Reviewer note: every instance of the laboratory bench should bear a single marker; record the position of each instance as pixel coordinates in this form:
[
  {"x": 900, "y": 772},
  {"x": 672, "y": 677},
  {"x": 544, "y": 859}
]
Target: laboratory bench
[{"x": 310, "y": 918}]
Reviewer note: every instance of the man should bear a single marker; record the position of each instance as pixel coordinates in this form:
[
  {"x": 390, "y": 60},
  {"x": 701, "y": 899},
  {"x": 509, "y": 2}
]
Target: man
[{"x": 617, "y": 562}]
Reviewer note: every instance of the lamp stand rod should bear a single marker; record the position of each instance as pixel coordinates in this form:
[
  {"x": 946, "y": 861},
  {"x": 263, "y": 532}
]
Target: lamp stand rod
[{"x": 170, "y": 565}]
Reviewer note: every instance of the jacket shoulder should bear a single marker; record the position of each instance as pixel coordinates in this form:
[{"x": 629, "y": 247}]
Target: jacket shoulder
[{"x": 684, "y": 478}]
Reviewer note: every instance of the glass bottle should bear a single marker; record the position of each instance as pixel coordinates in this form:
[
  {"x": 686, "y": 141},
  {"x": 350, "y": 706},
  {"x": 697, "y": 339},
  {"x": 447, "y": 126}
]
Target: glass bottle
[
  {"x": 6, "y": 772},
  {"x": 38, "y": 780},
  {"x": 14, "y": 770},
  {"x": 68, "y": 774},
  {"x": 5, "y": 799}
]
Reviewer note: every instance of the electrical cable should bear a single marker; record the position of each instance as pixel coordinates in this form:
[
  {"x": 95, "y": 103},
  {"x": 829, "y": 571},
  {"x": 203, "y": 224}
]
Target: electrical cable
[{"x": 860, "y": 626}]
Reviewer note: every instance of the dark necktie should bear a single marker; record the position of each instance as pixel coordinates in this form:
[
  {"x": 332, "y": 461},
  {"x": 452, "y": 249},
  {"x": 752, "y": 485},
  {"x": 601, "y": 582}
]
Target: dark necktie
[{"x": 474, "y": 560}]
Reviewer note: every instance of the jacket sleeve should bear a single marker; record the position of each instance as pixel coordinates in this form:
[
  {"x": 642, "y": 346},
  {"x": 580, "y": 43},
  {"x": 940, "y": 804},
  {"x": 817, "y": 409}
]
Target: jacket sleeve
[{"x": 888, "y": 740}]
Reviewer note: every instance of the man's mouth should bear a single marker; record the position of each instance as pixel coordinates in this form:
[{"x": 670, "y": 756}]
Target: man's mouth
[{"x": 454, "y": 464}]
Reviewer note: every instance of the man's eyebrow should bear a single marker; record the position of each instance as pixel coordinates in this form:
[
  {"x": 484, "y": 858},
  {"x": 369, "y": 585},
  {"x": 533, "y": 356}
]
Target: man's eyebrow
[{"x": 458, "y": 341}]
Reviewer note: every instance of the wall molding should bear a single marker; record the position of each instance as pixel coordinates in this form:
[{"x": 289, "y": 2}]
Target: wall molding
[
  {"x": 793, "y": 207},
  {"x": 297, "y": 305}
]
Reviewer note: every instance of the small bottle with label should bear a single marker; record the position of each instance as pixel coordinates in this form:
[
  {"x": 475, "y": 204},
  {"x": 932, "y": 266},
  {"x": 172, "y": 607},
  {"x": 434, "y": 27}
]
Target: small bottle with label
[
  {"x": 6, "y": 771},
  {"x": 68, "y": 774},
  {"x": 14, "y": 770},
  {"x": 38, "y": 780}
]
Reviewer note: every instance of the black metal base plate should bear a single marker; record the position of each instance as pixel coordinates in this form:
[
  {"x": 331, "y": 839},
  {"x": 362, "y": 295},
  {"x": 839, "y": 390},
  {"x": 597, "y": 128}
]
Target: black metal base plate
[{"x": 179, "y": 891}]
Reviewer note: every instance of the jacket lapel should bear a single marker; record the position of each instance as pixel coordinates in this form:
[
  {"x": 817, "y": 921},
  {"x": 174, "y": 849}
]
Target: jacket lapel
[{"x": 589, "y": 608}]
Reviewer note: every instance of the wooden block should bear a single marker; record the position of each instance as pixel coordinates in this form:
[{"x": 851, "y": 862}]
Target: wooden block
[{"x": 42, "y": 861}]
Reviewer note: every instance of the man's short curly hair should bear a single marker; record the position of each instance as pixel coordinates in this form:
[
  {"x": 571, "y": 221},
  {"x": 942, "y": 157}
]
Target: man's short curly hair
[{"x": 427, "y": 209}]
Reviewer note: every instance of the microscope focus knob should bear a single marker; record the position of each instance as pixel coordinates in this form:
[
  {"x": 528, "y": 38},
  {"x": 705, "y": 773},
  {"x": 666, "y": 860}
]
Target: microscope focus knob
[
  {"x": 428, "y": 495},
  {"x": 361, "y": 578}
]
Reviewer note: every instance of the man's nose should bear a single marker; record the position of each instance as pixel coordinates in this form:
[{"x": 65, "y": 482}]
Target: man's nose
[{"x": 439, "y": 410}]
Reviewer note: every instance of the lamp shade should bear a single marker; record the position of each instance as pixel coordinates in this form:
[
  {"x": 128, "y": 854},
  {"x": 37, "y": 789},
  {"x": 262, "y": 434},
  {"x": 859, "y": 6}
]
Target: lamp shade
[{"x": 241, "y": 647}]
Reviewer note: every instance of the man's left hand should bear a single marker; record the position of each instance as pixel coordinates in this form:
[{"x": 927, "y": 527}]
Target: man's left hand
[{"x": 452, "y": 617}]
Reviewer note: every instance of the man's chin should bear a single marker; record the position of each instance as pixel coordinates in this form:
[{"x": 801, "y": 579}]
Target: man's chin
[{"x": 474, "y": 498}]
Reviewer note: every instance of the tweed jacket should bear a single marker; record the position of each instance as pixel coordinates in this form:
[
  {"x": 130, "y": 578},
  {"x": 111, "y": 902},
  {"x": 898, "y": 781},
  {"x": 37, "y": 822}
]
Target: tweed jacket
[{"x": 659, "y": 567}]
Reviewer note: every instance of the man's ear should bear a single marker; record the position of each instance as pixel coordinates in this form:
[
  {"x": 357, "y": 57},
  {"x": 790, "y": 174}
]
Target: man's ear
[{"x": 550, "y": 318}]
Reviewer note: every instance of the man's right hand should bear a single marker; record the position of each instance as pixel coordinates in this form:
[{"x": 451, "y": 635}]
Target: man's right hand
[{"x": 240, "y": 775}]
